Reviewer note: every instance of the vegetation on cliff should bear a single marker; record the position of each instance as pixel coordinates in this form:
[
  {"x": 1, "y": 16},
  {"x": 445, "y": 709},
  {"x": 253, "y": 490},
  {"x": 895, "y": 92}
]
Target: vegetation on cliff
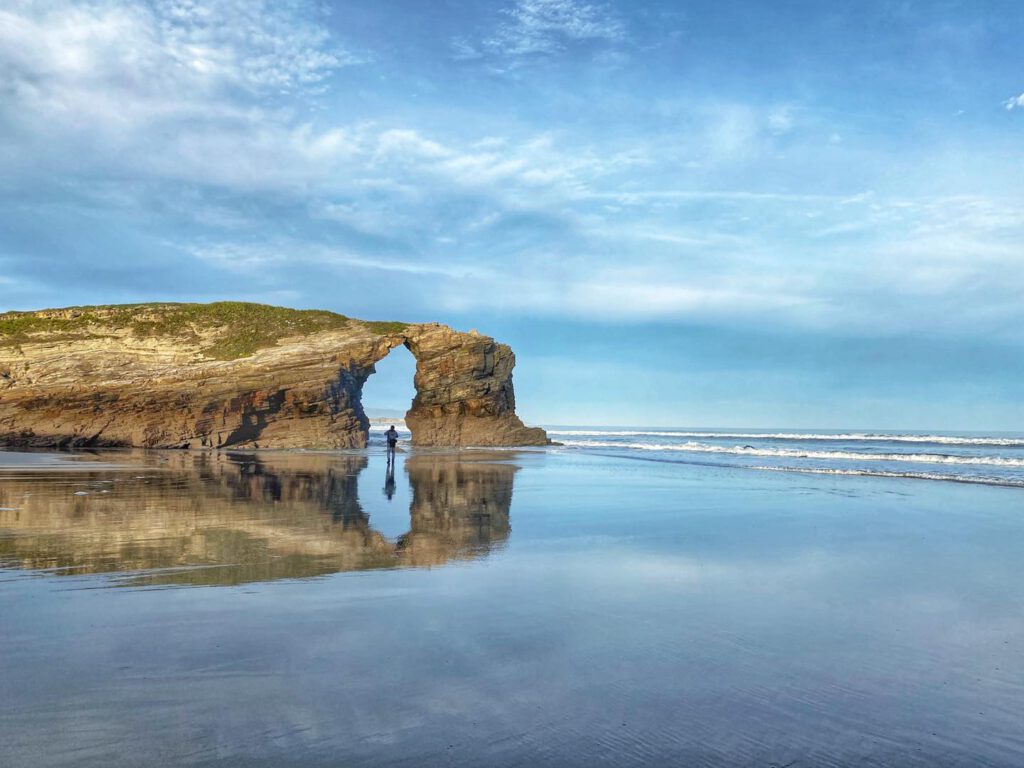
[{"x": 229, "y": 329}]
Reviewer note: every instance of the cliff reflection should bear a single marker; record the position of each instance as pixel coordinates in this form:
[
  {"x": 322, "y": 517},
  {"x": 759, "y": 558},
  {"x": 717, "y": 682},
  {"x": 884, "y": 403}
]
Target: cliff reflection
[{"x": 208, "y": 519}]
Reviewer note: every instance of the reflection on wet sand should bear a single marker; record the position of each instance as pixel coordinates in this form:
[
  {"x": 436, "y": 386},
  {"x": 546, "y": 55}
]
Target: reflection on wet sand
[{"x": 210, "y": 519}]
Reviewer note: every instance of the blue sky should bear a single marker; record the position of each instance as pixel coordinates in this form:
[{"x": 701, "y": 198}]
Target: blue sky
[{"x": 693, "y": 213}]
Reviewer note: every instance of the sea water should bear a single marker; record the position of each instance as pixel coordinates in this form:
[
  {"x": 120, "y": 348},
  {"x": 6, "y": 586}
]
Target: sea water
[
  {"x": 578, "y": 605},
  {"x": 989, "y": 458}
]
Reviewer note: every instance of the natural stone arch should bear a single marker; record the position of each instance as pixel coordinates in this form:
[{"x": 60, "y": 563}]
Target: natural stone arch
[
  {"x": 464, "y": 393},
  {"x": 181, "y": 376}
]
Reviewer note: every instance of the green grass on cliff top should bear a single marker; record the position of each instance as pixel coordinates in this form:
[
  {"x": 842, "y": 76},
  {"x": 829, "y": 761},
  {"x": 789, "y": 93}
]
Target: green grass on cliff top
[{"x": 242, "y": 328}]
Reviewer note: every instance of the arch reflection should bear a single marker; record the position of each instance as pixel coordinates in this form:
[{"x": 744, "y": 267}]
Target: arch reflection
[{"x": 225, "y": 519}]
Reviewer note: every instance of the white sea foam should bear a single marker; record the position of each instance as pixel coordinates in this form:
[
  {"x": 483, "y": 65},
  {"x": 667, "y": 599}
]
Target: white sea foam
[
  {"x": 974, "y": 479},
  {"x": 1013, "y": 442},
  {"x": 793, "y": 453}
]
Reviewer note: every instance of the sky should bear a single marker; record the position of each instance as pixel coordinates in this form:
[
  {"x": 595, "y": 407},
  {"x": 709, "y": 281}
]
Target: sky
[{"x": 690, "y": 213}]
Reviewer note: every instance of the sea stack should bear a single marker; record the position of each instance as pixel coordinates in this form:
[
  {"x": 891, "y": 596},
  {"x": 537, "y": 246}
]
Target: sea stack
[{"x": 232, "y": 374}]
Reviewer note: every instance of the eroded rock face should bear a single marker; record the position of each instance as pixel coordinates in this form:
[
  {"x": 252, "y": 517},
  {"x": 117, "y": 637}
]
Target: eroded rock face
[
  {"x": 464, "y": 392},
  {"x": 91, "y": 377}
]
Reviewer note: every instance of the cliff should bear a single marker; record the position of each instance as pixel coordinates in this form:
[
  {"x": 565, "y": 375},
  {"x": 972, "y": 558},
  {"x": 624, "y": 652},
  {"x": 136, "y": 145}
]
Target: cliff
[{"x": 242, "y": 375}]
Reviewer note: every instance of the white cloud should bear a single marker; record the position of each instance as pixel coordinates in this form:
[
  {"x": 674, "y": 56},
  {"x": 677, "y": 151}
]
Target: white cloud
[
  {"x": 861, "y": 264},
  {"x": 543, "y": 27},
  {"x": 1017, "y": 102},
  {"x": 167, "y": 48},
  {"x": 180, "y": 88},
  {"x": 533, "y": 164},
  {"x": 464, "y": 50},
  {"x": 409, "y": 143},
  {"x": 191, "y": 91},
  {"x": 780, "y": 121},
  {"x": 258, "y": 44},
  {"x": 697, "y": 223},
  {"x": 652, "y": 295},
  {"x": 286, "y": 254}
]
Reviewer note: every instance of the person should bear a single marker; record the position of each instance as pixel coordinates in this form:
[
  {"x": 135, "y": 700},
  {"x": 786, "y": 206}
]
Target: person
[{"x": 392, "y": 437}]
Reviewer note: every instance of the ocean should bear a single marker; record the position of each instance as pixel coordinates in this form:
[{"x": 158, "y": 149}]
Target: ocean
[{"x": 986, "y": 458}]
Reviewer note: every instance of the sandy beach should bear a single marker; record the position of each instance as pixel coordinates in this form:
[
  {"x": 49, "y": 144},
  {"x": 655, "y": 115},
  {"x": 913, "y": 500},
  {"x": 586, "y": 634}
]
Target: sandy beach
[{"x": 555, "y": 607}]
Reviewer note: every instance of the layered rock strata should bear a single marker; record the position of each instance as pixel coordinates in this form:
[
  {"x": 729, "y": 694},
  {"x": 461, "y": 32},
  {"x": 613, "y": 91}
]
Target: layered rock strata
[{"x": 241, "y": 375}]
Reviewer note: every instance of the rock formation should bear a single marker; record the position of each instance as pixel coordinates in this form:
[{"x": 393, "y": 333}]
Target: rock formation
[{"x": 240, "y": 375}]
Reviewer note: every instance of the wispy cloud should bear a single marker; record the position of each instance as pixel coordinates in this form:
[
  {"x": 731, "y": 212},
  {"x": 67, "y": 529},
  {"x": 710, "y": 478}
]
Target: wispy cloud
[
  {"x": 542, "y": 28},
  {"x": 284, "y": 255},
  {"x": 724, "y": 178},
  {"x": 167, "y": 49},
  {"x": 711, "y": 220},
  {"x": 211, "y": 93},
  {"x": 92, "y": 86},
  {"x": 258, "y": 44}
]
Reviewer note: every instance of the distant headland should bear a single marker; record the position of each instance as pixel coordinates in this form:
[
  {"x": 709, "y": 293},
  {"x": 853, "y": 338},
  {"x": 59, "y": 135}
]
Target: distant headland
[{"x": 234, "y": 374}]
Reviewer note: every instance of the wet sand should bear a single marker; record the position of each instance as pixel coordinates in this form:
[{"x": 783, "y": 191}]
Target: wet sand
[
  {"x": 500, "y": 609},
  {"x": 28, "y": 461}
]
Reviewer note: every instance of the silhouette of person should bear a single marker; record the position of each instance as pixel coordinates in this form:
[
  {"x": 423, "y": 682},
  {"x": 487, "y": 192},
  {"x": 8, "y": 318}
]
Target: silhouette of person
[
  {"x": 392, "y": 437},
  {"x": 389, "y": 480}
]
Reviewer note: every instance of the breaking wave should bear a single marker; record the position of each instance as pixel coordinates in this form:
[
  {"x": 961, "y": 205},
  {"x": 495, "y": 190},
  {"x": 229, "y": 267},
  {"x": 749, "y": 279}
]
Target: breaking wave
[
  {"x": 1010, "y": 442},
  {"x": 973, "y": 479},
  {"x": 791, "y": 453}
]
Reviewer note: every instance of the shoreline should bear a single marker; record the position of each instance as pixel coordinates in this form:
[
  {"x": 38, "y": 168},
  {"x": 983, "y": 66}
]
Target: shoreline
[
  {"x": 43, "y": 459},
  {"x": 93, "y": 459}
]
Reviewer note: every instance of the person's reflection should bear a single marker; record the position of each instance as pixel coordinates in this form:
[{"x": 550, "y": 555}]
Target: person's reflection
[{"x": 389, "y": 480}]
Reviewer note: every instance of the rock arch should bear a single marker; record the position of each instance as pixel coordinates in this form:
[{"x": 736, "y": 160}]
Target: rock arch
[
  {"x": 141, "y": 376},
  {"x": 464, "y": 392}
]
